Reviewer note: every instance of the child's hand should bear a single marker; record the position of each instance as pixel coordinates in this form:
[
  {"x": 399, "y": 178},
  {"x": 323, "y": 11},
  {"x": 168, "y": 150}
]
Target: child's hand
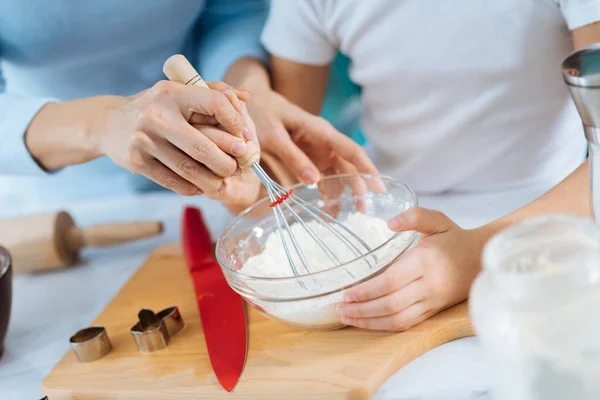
[
  {"x": 434, "y": 275},
  {"x": 307, "y": 145}
]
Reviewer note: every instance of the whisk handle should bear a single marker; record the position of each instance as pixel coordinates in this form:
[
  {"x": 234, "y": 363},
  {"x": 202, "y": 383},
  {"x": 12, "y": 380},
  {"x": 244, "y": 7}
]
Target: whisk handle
[{"x": 178, "y": 69}]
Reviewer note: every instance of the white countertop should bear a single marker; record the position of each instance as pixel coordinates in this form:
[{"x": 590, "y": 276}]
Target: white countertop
[{"x": 48, "y": 308}]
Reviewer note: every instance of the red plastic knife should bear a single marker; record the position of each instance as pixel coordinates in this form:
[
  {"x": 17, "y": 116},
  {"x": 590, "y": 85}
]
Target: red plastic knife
[{"x": 222, "y": 311}]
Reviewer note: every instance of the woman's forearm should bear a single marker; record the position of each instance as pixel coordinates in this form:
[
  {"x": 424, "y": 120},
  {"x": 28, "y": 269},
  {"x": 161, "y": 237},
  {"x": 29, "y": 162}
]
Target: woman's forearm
[{"x": 61, "y": 133}]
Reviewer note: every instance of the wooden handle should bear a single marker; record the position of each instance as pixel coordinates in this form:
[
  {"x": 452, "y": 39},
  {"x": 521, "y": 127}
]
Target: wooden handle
[
  {"x": 178, "y": 69},
  {"x": 112, "y": 234}
]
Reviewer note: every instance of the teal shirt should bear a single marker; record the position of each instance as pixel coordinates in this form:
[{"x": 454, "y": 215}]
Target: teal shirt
[{"x": 67, "y": 49}]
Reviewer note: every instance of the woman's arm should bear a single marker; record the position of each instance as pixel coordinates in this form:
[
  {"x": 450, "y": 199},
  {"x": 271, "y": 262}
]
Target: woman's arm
[
  {"x": 147, "y": 133},
  {"x": 16, "y": 113},
  {"x": 60, "y": 133}
]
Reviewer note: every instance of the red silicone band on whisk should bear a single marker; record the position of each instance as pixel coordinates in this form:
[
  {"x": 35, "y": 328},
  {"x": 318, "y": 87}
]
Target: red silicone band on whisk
[{"x": 282, "y": 198}]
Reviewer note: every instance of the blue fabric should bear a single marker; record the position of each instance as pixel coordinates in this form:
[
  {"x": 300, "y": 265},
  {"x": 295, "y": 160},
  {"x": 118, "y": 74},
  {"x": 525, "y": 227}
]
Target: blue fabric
[{"x": 66, "y": 49}]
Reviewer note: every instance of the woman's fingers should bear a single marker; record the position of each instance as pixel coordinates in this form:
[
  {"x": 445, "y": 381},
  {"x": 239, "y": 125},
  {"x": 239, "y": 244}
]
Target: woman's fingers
[
  {"x": 401, "y": 273},
  {"x": 195, "y": 99},
  {"x": 199, "y": 147},
  {"x": 224, "y": 141},
  {"x": 390, "y": 304},
  {"x": 162, "y": 175},
  {"x": 188, "y": 169},
  {"x": 399, "y": 322},
  {"x": 149, "y": 133}
]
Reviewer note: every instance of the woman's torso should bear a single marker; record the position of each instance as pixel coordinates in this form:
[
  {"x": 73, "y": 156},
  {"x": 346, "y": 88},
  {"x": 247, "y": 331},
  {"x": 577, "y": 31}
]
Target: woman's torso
[
  {"x": 71, "y": 49},
  {"x": 67, "y": 49}
]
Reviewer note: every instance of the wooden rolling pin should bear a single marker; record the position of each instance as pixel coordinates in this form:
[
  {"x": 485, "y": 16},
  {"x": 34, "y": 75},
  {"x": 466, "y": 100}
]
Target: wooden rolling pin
[{"x": 50, "y": 241}]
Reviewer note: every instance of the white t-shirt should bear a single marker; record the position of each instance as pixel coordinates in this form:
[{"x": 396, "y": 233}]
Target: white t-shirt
[{"x": 458, "y": 96}]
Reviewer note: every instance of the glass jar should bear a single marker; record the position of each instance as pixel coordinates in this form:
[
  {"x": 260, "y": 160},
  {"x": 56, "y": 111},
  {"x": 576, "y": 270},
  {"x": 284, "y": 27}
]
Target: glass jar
[
  {"x": 5, "y": 294},
  {"x": 536, "y": 309}
]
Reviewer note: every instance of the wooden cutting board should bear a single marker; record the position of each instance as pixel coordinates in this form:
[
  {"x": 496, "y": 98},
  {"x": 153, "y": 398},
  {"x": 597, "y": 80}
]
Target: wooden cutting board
[{"x": 283, "y": 363}]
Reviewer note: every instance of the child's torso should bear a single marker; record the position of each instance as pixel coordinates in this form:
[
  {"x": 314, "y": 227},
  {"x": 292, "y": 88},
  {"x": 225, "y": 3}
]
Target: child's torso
[{"x": 462, "y": 95}]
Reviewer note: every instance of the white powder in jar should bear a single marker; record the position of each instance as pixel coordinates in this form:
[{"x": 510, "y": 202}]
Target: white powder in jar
[{"x": 319, "y": 312}]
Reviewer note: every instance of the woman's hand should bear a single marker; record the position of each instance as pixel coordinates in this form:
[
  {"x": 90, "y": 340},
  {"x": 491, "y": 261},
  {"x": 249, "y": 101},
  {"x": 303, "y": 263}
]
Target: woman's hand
[
  {"x": 434, "y": 275},
  {"x": 149, "y": 134},
  {"x": 243, "y": 188}
]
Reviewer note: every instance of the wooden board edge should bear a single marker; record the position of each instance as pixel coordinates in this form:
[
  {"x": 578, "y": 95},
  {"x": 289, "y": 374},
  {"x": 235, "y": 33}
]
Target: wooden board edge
[
  {"x": 455, "y": 318},
  {"x": 458, "y": 326}
]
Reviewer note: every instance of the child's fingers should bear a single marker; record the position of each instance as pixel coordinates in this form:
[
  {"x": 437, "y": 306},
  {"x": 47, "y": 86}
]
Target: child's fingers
[
  {"x": 225, "y": 141},
  {"x": 292, "y": 157},
  {"x": 391, "y": 304},
  {"x": 242, "y": 94},
  {"x": 355, "y": 155},
  {"x": 299, "y": 120},
  {"x": 399, "y": 322},
  {"x": 331, "y": 191},
  {"x": 235, "y": 101},
  {"x": 400, "y": 274},
  {"x": 356, "y": 183},
  {"x": 240, "y": 106},
  {"x": 422, "y": 220}
]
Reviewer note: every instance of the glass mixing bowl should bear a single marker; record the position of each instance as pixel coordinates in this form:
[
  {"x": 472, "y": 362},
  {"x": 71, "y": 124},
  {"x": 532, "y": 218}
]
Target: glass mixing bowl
[{"x": 308, "y": 301}]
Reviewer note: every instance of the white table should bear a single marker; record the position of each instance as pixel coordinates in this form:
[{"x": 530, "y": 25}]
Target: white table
[{"x": 48, "y": 308}]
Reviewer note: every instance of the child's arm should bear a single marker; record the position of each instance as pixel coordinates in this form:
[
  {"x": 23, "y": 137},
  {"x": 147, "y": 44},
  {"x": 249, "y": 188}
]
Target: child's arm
[
  {"x": 571, "y": 196},
  {"x": 286, "y": 124},
  {"x": 304, "y": 85},
  {"x": 299, "y": 37},
  {"x": 439, "y": 271}
]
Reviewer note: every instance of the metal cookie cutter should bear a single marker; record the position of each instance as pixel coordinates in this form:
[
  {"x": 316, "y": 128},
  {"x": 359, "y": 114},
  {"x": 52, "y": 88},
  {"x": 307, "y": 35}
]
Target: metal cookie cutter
[
  {"x": 90, "y": 344},
  {"x": 150, "y": 332},
  {"x": 172, "y": 319}
]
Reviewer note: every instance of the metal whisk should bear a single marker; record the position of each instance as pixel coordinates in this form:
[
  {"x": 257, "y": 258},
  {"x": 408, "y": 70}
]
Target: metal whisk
[
  {"x": 279, "y": 197},
  {"x": 178, "y": 69}
]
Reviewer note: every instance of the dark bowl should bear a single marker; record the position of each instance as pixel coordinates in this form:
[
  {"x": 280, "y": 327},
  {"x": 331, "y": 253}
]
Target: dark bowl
[{"x": 5, "y": 294}]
